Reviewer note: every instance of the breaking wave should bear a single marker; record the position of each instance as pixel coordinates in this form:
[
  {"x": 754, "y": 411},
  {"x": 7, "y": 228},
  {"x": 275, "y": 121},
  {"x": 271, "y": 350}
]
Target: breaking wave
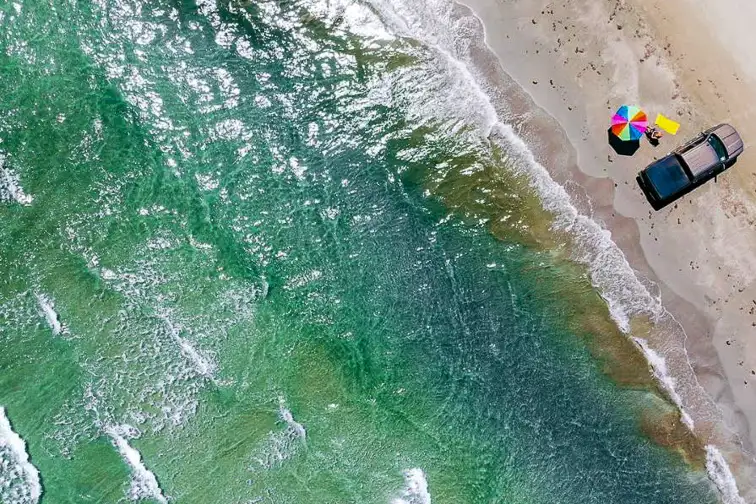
[
  {"x": 19, "y": 479},
  {"x": 281, "y": 445},
  {"x": 415, "y": 488},
  {"x": 202, "y": 364},
  {"x": 659, "y": 366},
  {"x": 48, "y": 311},
  {"x": 720, "y": 475},
  {"x": 10, "y": 187},
  {"x": 611, "y": 274},
  {"x": 144, "y": 484}
]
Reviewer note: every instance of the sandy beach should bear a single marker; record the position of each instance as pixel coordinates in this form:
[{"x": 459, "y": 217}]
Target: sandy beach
[{"x": 577, "y": 61}]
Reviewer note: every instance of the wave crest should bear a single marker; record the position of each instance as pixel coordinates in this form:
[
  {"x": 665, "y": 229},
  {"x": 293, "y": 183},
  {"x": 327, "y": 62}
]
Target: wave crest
[
  {"x": 415, "y": 488},
  {"x": 19, "y": 479}
]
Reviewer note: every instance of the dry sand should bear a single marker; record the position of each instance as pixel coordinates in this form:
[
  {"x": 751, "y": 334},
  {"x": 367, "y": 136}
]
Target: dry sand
[{"x": 693, "y": 61}]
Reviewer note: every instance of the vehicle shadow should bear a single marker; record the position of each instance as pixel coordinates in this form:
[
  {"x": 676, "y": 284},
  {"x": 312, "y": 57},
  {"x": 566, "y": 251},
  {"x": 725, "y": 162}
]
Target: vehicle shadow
[
  {"x": 645, "y": 192},
  {"x": 622, "y": 147}
]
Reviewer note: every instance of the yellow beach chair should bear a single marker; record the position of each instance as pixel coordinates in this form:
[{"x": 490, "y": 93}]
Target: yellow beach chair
[{"x": 667, "y": 124}]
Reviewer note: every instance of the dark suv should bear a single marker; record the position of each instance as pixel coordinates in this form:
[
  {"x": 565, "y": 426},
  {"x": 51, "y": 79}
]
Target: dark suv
[{"x": 691, "y": 165}]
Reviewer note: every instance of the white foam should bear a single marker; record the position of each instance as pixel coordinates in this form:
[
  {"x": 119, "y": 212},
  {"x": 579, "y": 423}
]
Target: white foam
[
  {"x": 659, "y": 367},
  {"x": 202, "y": 364},
  {"x": 432, "y": 23},
  {"x": 280, "y": 445},
  {"x": 302, "y": 279},
  {"x": 207, "y": 182},
  {"x": 294, "y": 427},
  {"x": 19, "y": 479},
  {"x": 10, "y": 187},
  {"x": 48, "y": 311},
  {"x": 144, "y": 484},
  {"x": 415, "y": 489},
  {"x": 610, "y": 272},
  {"x": 719, "y": 473},
  {"x": 357, "y": 18}
]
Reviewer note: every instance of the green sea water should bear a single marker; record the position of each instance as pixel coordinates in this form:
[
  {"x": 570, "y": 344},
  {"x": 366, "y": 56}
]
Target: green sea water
[{"x": 247, "y": 256}]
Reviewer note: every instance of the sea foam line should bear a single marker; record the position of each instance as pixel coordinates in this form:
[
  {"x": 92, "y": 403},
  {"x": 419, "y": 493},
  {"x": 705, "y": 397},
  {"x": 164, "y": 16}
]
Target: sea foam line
[
  {"x": 283, "y": 444},
  {"x": 11, "y": 441},
  {"x": 415, "y": 488},
  {"x": 203, "y": 365},
  {"x": 659, "y": 367},
  {"x": 144, "y": 484},
  {"x": 720, "y": 474},
  {"x": 48, "y": 311},
  {"x": 10, "y": 187}
]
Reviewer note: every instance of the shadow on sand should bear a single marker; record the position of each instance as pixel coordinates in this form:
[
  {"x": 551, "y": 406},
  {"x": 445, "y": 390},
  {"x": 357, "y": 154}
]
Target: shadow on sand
[{"x": 622, "y": 147}]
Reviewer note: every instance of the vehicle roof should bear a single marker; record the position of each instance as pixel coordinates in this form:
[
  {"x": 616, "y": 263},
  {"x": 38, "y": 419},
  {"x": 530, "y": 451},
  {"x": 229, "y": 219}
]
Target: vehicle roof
[
  {"x": 700, "y": 158},
  {"x": 667, "y": 176},
  {"x": 730, "y": 138}
]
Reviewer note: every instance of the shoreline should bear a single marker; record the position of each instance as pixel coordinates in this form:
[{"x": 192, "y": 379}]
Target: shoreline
[{"x": 539, "y": 49}]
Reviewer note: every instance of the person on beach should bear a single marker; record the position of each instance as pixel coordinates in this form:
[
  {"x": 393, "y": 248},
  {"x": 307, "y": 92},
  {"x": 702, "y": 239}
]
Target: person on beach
[{"x": 654, "y": 135}]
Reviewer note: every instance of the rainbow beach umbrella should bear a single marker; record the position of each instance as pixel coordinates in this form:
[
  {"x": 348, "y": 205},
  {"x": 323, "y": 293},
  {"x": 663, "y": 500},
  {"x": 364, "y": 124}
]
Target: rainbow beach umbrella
[{"x": 629, "y": 123}]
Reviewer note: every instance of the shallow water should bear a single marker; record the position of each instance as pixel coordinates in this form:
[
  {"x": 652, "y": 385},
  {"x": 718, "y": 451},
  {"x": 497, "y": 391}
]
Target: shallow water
[{"x": 250, "y": 255}]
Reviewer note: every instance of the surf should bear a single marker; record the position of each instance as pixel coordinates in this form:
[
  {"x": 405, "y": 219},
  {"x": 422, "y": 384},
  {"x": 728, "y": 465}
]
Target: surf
[
  {"x": 439, "y": 25},
  {"x": 19, "y": 480}
]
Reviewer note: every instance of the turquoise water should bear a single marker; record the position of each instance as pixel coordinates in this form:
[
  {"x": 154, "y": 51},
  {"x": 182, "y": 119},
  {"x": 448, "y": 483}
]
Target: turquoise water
[{"x": 247, "y": 257}]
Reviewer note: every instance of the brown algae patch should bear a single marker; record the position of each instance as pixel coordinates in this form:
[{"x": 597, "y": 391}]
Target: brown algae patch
[
  {"x": 481, "y": 190},
  {"x": 623, "y": 361},
  {"x": 660, "y": 422},
  {"x": 618, "y": 357},
  {"x": 485, "y": 191}
]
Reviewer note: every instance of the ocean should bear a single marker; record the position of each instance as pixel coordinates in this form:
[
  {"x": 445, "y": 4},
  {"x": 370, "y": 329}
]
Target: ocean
[{"x": 286, "y": 252}]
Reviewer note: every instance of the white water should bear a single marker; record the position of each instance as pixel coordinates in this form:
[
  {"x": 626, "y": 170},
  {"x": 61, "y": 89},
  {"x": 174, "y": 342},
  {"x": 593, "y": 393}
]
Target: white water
[
  {"x": 415, "y": 488},
  {"x": 19, "y": 479},
  {"x": 280, "y": 445},
  {"x": 48, "y": 311},
  {"x": 293, "y": 427},
  {"x": 144, "y": 484},
  {"x": 720, "y": 475},
  {"x": 10, "y": 187},
  {"x": 357, "y": 18},
  {"x": 203, "y": 365},
  {"x": 659, "y": 366}
]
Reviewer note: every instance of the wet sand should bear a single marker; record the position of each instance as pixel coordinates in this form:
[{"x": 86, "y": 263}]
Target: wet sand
[{"x": 578, "y": 60}]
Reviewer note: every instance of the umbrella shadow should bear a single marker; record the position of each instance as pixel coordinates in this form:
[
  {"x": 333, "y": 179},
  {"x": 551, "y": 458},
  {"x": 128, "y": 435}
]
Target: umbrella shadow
[{"x": 622, "y": 147}]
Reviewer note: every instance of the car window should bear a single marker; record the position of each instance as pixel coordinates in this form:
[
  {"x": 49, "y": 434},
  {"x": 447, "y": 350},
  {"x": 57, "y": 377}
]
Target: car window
[
  {"x": 667, "y": 177},
  {"x": 718, "y": 147}
]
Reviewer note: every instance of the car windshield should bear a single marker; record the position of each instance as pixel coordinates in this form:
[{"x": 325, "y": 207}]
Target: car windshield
[
  {"x": 718, "y": 147},
  {"x": 667, "y": 177}
]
